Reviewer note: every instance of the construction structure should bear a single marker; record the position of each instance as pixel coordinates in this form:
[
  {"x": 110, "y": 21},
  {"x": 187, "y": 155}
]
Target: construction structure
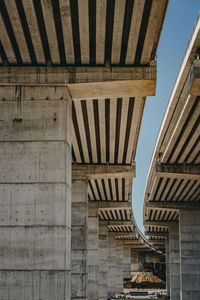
[
  {"x": 172, "y": 196},
  {"x": 74, "y": 78}
]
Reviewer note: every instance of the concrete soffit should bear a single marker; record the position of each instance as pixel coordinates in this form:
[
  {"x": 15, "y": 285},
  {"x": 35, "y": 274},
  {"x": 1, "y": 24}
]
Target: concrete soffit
[{"x": 87, "y": 82}]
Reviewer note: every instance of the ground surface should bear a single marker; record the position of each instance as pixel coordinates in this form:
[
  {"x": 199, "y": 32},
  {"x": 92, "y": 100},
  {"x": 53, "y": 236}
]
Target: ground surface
[{"x": 145, "y": 280}]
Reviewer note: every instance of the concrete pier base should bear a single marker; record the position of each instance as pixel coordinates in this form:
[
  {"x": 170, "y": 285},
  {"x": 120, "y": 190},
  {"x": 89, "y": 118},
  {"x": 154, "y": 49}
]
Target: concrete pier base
[
  {"x": 174, "y": 262},
  {"x": 79, "y": 239},
  {"x": 126, "y": 264},
  {"x": 93, "y": 245},
  {"x": 111, "y": 265},
  {"x": 167, "y": 265},
  {"x": 103, "y": 263},
  {"x": 189, "y": 239},
  {"x": 35, "y": 191},
  {"x": 134, "y": 260},
  {"x": 119, "y": 276}
]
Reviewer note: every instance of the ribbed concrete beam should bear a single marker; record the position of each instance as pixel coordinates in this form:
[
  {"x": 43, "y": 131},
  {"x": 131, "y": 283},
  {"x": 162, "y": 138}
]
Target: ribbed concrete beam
[
  {"x": 103, "y": 171},
  {"x": 191, "y": 172},
  {"x": 159, "y": 223},
  {"x": 115, "y": 222},
  {"x": 139, "y": 249},
  {"x": 135, "y": 245},
  {"x": 154, "y": 234},
  {"x": 121, "y": 234},
  {"x": 176, "y": 205},
  {"x": 109, "y": 204},
  {"x": 87, "y": 82},
  {"x": 157, "y": 242}
]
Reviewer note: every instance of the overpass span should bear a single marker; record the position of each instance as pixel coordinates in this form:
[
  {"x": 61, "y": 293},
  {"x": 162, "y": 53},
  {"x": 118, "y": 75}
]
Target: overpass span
[
  {"x": 172, "y": 195},
  {"x": 74, "y": 78}
]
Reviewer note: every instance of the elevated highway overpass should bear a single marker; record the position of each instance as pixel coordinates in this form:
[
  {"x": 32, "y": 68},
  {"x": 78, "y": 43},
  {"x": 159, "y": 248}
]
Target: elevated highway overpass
[
  {"x": 172, "y": 195},
  {"x": 74, "y": 77}
]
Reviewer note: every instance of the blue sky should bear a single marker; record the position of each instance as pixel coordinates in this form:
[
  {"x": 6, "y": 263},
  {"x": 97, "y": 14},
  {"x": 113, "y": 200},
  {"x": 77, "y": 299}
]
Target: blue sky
[{"x": 179, "y": 21}]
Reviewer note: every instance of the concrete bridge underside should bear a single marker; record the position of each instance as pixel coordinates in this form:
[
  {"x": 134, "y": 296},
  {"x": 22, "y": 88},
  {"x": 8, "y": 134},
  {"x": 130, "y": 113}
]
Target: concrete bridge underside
[
  {"x": 172, "y": 196},
  {"x": 74, "y": 77}
]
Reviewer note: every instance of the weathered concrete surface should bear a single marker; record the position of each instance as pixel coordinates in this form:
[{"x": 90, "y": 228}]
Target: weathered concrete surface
[
  {"x": 167, "y": 266},
  {"x": 119, "y": 275},
  {"x": 174, "y": 262},
  {"x": 88, "y": 82},
  {"x": 93, "y": 256},
  {"x": 35, "y": 196},
  {"x": 134, "y": 260},
  {"x": 111, "y": 265},
  {"x": 126, "y": 264},
  {"x": 103, "y": 263},
  {"x": 104, "y": 171},
  {"x": 79, "y": 238},
  {"x": 189, "y": 239}
]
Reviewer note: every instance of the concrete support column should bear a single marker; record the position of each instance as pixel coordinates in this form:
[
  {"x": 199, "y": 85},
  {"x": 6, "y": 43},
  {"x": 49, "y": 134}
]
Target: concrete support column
[
  {"x": 35, "y": 193},
  {"x": 79, "y": 238},
  {"x": 93, "y": 246},
  {"x": 189, "y": 239},
  {"x": 103, "y": 263},
  {"x": 134, "y": 260},
  {"x": 119, "y": 276},
  {"x": 167, "y": 265},
  {"x": 111, "y": 265},
  {"x": 174, "y": 262},
  {"x": 127, "y": 264}
]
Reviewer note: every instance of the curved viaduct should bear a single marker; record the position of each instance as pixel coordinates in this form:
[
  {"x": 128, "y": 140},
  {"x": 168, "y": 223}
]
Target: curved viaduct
[
  {"x": 74, "y": 78},
  {"x": 172, "y": 196}
]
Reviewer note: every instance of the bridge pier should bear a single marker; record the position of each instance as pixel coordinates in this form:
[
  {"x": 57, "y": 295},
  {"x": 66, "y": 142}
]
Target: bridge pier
[
  {"x": 111, "y": 265},
  {"x": 35, "y": 184},
  {"x": 79, "y": 238},
  {"x": 119, "y": 266},
  {"x": 174, "y": 262},
  {"x": 103, "y": 263},
  {"x": 134, "y": 260},
  {"x": 189, "y": 254},
  {"x": 92, "y": 260},
  {"x": 167, "y": 265},
  {"x": 126, "y": 264}
]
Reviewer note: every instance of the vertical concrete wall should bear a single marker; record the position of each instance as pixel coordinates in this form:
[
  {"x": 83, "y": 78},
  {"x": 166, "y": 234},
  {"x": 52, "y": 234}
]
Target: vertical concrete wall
[
  {"x": 119, "y": 275},
  {"x": 167, "y": 266},
  {"x": 103, "y": 263},
  {"x": 93, "y": 245},
  {"x": 111, "y": 265},
  {"x": 79, "y": 239},
  {"x": 189, "y": 237},
  {"x": 174, "y": 262},
  {"x": 35, "y": 193},
  {"x": 126, "y": 263},
  {"x": 134, "y": 260}
]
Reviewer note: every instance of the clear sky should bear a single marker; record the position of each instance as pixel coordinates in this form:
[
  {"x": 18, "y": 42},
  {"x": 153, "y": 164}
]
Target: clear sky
[{"x": 179, "y": 21}]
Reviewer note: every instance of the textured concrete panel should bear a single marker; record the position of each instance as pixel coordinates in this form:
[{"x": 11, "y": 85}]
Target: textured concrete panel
[
  {"x": 33, "y": 162},
  {"x": 79, "y": 260},
  {"x": 33, "y": 204},
  {"x": 34, "y": 285},
  {"x": 79, "y": 239},
  {"x": 189, "y": 254},
  {"x": 174, "y": 262},
  {"x": 78, "y": 286},
  {"x": 31, "y": 93},
  {"x": 26, "y": 123},
  {"x": 34, "y": 247},
  {"x": 35, "y": 194},
  {"x": 79, "y": 214},
  {"x": 93, "y": 258}
]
